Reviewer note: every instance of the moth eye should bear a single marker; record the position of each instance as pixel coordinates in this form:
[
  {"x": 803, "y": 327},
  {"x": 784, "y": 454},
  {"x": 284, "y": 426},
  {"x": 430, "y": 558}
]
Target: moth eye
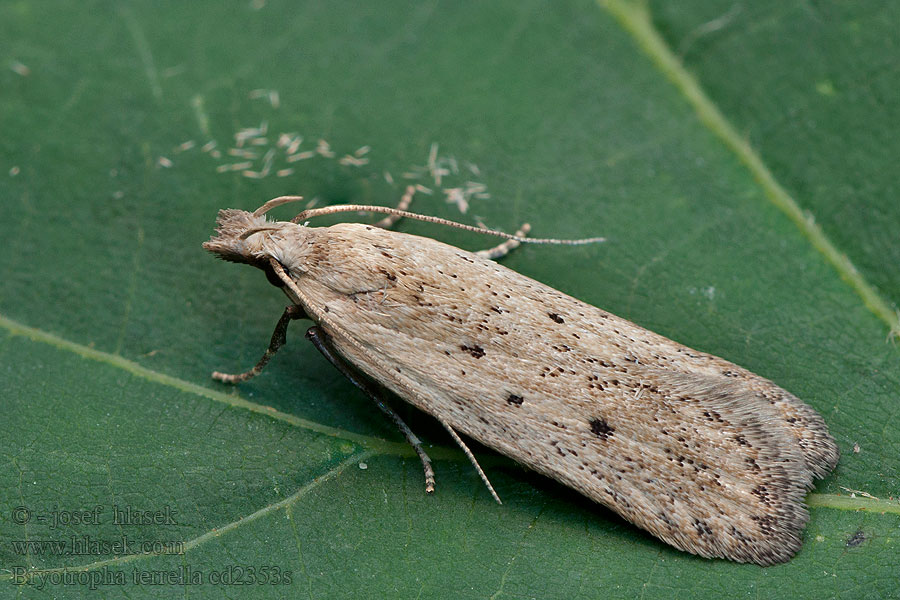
[{"x": 273, "y": 278}]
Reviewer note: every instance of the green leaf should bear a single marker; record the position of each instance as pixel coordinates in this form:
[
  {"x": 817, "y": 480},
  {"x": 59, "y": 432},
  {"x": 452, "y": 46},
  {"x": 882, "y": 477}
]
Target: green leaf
[{"x": 739, "y": 157}]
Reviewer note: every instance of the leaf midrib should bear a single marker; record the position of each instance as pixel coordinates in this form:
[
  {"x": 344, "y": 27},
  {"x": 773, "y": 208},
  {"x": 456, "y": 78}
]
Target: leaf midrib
[
  {"x": 635, "y": 18},
  {"x": 379, "y": 445}
]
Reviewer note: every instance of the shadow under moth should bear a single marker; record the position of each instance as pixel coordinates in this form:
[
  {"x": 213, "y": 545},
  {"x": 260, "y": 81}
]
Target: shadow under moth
[{"x": 702, "y": 453}]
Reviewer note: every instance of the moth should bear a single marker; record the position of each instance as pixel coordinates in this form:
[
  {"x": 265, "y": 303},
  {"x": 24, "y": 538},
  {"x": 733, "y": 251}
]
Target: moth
[{"x": 700, "y": 452}]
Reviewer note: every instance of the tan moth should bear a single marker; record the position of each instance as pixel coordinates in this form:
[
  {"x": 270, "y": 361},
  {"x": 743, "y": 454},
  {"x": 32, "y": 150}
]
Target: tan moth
[{"x": 700, "y": 452}]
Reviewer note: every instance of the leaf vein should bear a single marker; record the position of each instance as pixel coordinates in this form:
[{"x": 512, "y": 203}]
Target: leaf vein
[
  {"x": 216, "y": 532},
  {"x": 636, "y": 20}
]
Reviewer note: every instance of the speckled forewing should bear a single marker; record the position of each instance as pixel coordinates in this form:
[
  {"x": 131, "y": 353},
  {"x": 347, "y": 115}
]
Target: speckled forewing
[{"x": 702, "y": 453}]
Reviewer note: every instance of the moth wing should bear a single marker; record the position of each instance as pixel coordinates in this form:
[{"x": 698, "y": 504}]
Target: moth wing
[
  {"x": 645, "y": 426},
  {"x": 697, "y": 461}
]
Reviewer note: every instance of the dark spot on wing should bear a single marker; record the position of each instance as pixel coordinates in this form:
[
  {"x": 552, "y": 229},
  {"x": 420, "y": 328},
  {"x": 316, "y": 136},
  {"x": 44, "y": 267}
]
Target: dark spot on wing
[
  {"x": 702, "y": 527},
  {"x": 601, "y": 428},
  {"x": 475, "y": 350}
]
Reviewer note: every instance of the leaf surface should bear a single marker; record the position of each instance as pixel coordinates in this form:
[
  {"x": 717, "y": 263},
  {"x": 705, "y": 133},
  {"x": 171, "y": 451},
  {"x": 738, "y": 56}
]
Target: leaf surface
[{"x": 737, "y": 156}]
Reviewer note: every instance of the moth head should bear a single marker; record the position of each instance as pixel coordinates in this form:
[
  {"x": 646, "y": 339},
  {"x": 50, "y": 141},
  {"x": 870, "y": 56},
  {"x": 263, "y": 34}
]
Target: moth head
[{"x": 239, "y": 238}]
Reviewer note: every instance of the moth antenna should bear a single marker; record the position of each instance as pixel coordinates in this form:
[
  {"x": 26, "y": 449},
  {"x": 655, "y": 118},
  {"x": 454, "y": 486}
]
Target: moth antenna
[
  {"x": 504, "y": 248},
  {"x": 275, "y": 202},
  {"x": 388, "y": 222},
  {"x": 471, "y": 458},
  {"x": 339, "y": 208}
]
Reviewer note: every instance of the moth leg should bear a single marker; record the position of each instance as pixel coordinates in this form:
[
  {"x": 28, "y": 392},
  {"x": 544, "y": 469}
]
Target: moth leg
[
  {"x": 279, "y": 337},
  {"x": 501, "y": 250},
  {"x": 388, "y": 222},
  {"x": 319, "y": 339},
  {"x": 471, "y": 458}
]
